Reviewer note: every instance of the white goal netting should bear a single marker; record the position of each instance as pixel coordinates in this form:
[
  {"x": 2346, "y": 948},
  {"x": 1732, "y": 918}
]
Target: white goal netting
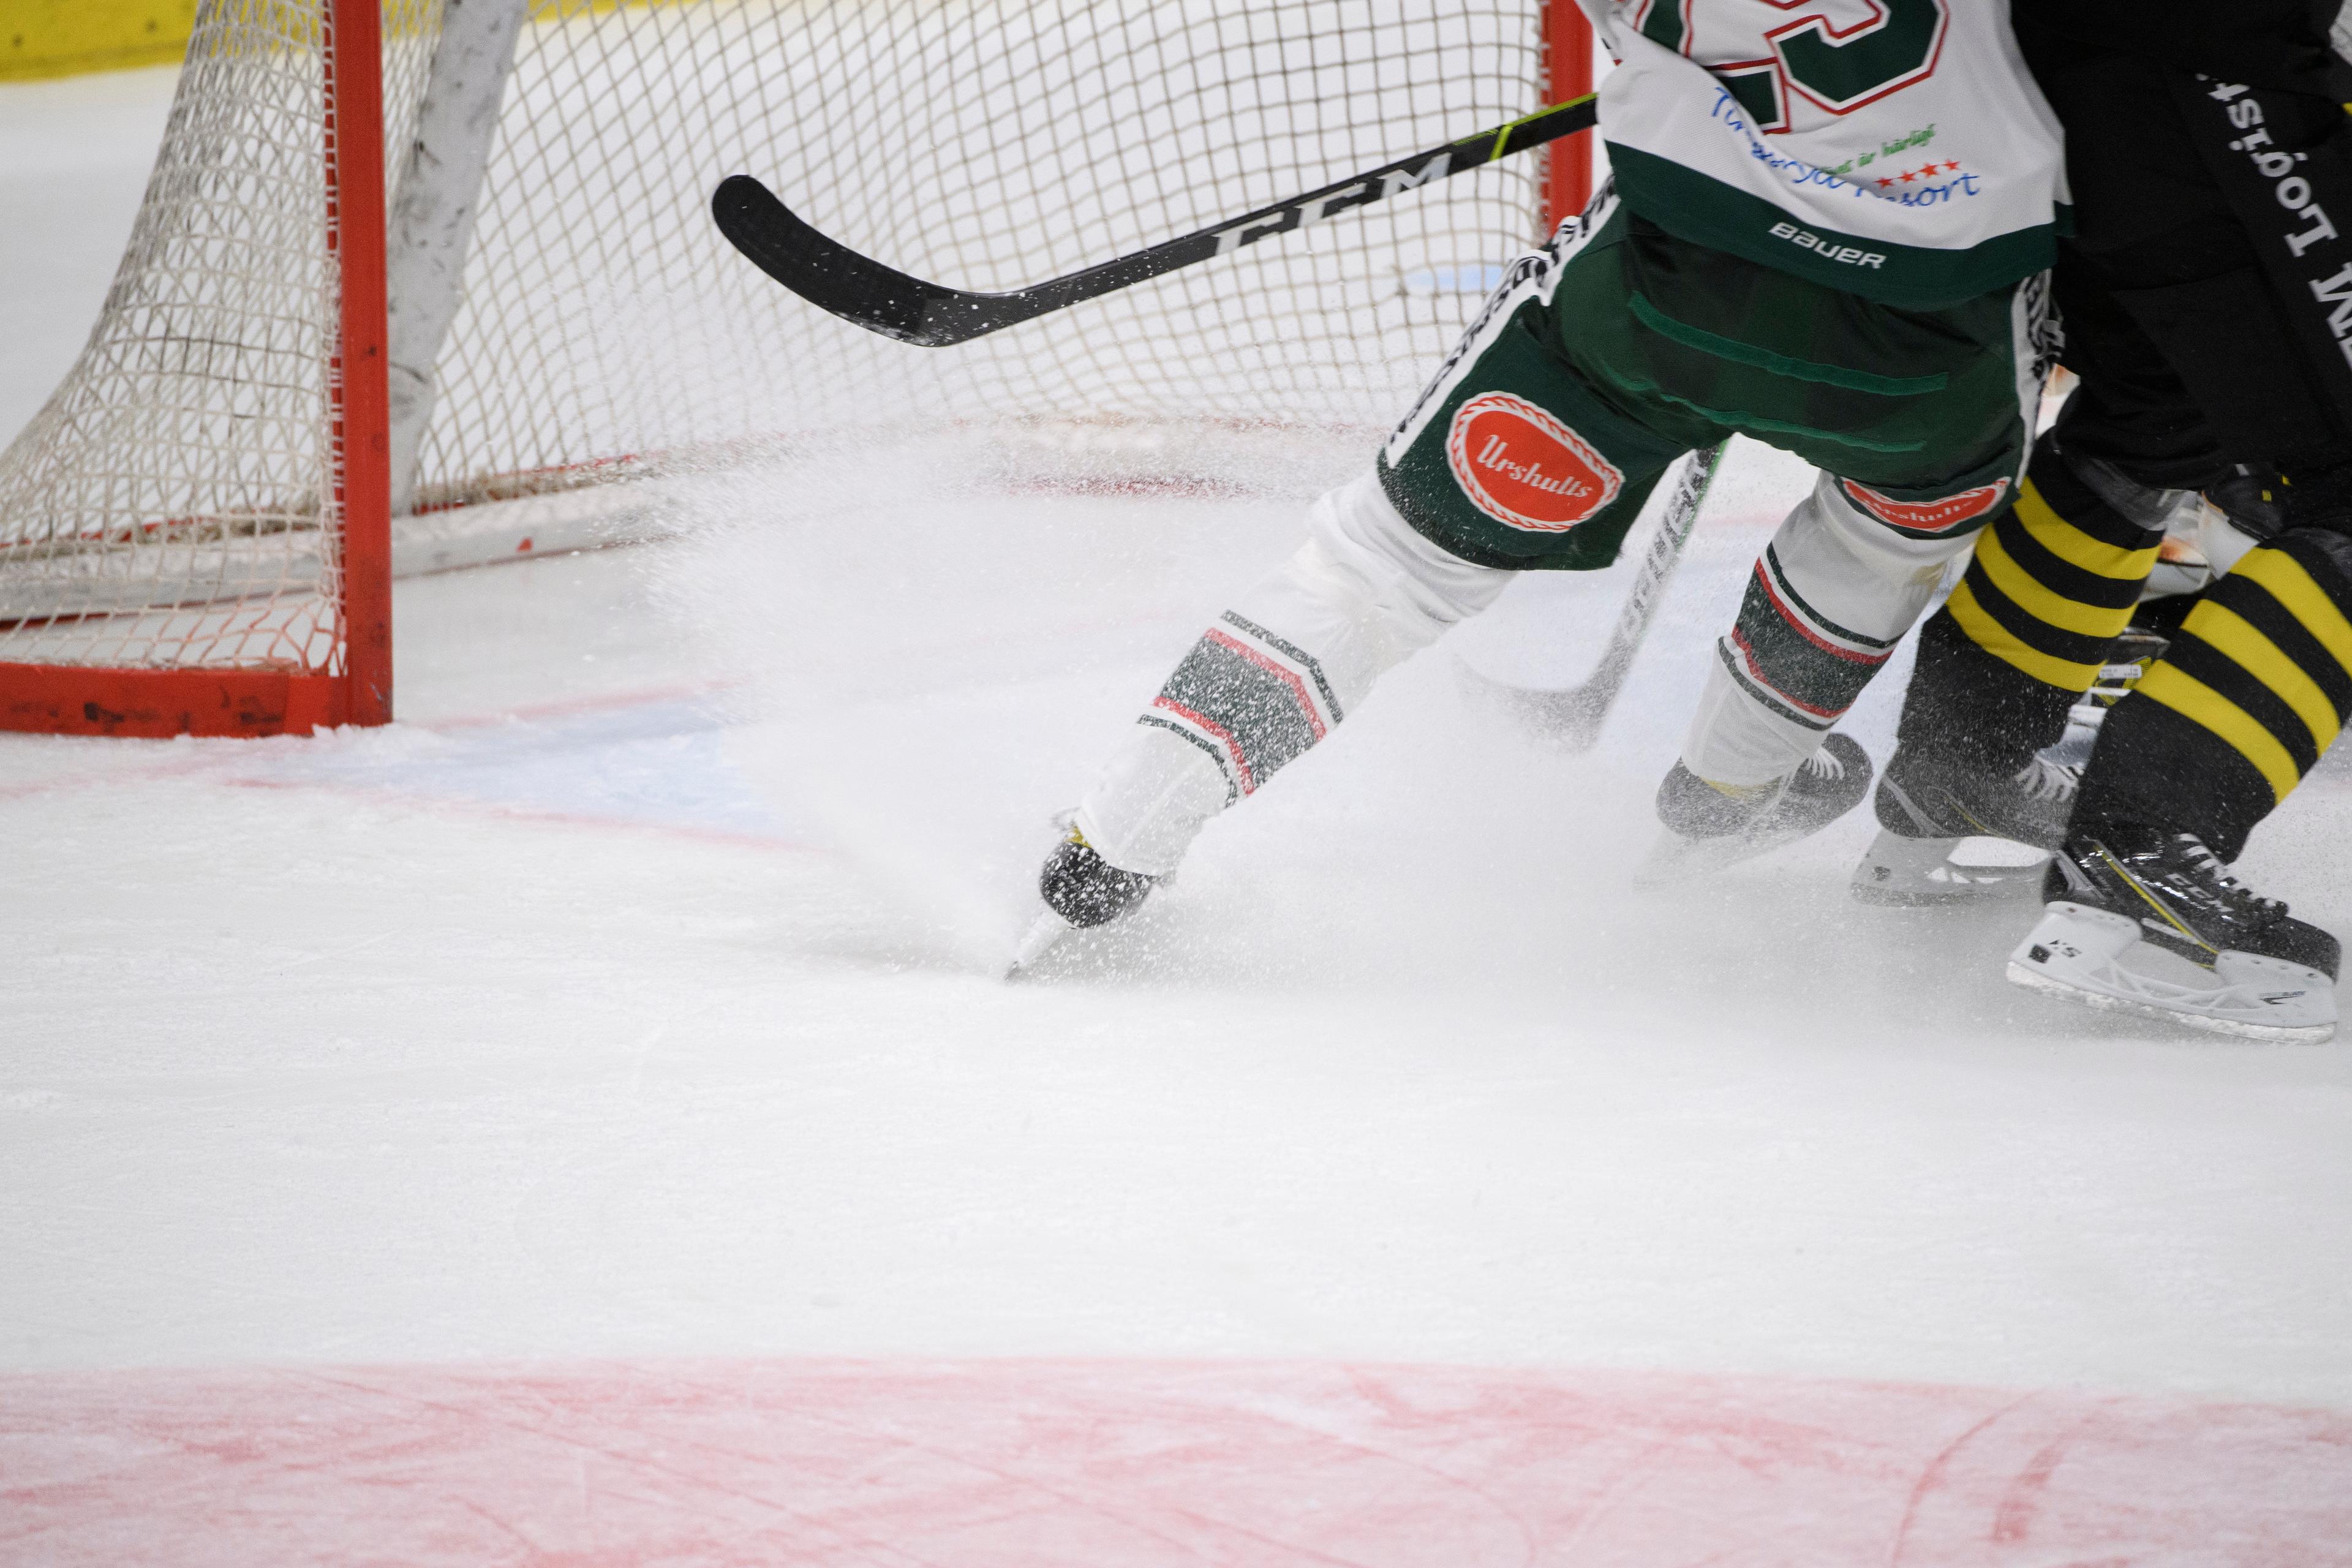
[
  {"x": 163, "y": 507},
  {"x": 164, "y": 510}
]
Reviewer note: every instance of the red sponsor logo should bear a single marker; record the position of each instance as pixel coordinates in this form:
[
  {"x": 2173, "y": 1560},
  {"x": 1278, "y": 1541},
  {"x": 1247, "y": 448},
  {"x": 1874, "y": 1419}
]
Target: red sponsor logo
[
  {"x": 1929, "y": 516},
  {"x": 1525, "y": 468}
]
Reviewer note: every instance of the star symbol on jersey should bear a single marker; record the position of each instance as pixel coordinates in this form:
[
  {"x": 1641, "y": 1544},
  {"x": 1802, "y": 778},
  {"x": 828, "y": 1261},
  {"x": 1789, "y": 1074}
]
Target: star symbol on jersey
[
  {"x": 1884, "y": 182},
  {"x": 1953, "y": 167},
  {"x": 1908, "y": 176}
]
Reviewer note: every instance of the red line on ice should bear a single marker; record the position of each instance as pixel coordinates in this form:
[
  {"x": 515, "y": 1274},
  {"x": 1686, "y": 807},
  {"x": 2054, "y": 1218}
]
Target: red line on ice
[{"x": 1011, "y": 1464}]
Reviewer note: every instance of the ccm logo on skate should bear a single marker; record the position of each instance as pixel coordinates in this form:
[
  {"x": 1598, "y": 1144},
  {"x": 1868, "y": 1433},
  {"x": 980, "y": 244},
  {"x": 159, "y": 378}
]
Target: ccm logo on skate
[
  {"x": 1929, "y": 516},
  {"x": 1525, "y": 468}
]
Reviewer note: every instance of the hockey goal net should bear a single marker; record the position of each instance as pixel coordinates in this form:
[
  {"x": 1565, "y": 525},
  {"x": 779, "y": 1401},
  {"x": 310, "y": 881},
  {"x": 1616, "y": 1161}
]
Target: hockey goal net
[{"x": 400, "y": 256}]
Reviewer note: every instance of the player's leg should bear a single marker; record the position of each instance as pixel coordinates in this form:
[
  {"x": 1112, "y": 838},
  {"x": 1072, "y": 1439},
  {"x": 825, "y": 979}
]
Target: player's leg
[
  {"x": 2257, "y": 679},
  {"x": 1508, "y": 460},
  {"x": 2029, "y": 630},
  {"x": 2200, "y": 345},
  {"x": 2255, "y": 686},
  {"x": 2023, "y": 636},
  {"x": 1922, "y": 415},
  {"x": 1828, "y": 600},
  {"x": 1270, "y": 678},
  {"x": 2250, "y": 693}
]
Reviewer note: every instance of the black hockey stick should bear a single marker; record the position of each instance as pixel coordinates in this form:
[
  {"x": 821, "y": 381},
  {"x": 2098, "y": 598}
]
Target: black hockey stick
[
  {"x": 1573, "y": 715},
  {"x": 859, "y": 289}
]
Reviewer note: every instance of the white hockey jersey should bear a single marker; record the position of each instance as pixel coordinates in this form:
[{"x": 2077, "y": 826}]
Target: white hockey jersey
[{"x": 1896, "y": 149}]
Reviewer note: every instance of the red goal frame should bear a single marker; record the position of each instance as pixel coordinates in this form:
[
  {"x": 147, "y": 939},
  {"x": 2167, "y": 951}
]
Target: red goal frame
[
  {"x": 75, "y": 700},
  {"x": 1568, "y": 73}
]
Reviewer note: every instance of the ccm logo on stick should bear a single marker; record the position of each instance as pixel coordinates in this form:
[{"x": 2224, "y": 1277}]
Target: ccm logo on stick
[
  {"x": 1524, "y": 469},
  {"x": 1375, "y": 188}
]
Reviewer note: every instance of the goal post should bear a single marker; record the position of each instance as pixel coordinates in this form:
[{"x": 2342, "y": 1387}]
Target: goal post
[
  {"x": 359, "y": 399},
  {"x": 348, "y": 680},
  {"x": 1568, "y": 73},
  {"x": 411, "y": 266}
]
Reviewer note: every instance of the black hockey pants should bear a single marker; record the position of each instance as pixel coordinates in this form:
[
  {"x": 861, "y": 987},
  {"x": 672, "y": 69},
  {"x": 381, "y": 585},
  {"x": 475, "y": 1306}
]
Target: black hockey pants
[{"x": 2207, "y": 298}]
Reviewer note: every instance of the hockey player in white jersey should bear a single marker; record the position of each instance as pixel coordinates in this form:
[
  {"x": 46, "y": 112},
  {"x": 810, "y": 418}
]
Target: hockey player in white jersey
[{"x": 1826, "y": 230}]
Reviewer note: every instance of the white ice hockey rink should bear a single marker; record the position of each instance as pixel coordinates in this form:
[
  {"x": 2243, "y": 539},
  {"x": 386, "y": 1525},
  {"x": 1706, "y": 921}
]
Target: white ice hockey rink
[{"x": 578, "y": 1125}]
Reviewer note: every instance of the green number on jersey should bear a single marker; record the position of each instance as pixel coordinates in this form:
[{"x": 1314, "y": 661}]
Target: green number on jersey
[
  {"x": 1663, "y": 25},
  {"x": 1843, "y": 73},
  {"x": 1895, "y": 48}
]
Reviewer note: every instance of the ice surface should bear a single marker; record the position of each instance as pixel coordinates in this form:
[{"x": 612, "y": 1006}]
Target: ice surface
[
  {"x": 629, "y": 999},
  {"x": 629, "y": 996}
]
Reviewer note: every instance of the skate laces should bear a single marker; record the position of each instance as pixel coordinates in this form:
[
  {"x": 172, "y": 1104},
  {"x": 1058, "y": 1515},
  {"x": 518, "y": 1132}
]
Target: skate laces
[
  {"x": 2042, "y": 778},
  {"x": 1823, "y": 763},
  {"x": 2208, "y": 865}
]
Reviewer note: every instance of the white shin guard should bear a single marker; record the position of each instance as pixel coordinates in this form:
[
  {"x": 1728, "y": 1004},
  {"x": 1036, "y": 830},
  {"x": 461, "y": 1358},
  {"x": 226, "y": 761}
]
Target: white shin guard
[
  {"x": 1272, "y": 675},
  {"x": 1831, "y": 594}
]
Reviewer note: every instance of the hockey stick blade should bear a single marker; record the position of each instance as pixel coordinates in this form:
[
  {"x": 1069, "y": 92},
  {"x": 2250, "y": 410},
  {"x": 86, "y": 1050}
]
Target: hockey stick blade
[
  {"x": 881, "y": 298},
  {"x": 1572, "y": 715}
]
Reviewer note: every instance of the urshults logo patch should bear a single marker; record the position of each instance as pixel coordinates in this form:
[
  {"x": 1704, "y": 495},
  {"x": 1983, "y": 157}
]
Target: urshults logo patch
[
  {"x": 1939, "y": 516},
  {"x": 1525, "y": 468}
]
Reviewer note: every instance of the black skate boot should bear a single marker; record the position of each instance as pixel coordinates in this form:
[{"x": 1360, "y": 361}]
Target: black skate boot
[
  {"x": 1085, "y": 890},
  {"x": 1081, "y": 889},
  {"x": 2136, "y": 893},
  {"x": 1712, "y": 825},
  {"x": 1927, "y": 806}
]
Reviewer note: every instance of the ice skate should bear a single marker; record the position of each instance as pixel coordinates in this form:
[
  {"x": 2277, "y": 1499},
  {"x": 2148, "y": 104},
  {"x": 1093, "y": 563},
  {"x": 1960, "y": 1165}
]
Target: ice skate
[
  {"x": 1080, "y": 890},
  {"x": 2152, "y": 923},
  {"x": 1710, "y": 826},
  {"x": 1926, "y": 809}
]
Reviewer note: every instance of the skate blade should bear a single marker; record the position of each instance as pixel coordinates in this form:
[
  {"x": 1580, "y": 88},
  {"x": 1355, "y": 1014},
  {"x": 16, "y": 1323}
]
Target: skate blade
[
  {"x": 1044, "y": 931},
  {"x": 1675, "y": 861},
  {"x": 2074, "y": 955},
  {"x": 1896, "y": 872}
]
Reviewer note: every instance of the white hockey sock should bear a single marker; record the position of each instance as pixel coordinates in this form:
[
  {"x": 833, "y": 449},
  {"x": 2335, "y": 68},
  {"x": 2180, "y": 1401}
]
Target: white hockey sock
[
  {"x": 1830, "y": 597},
  {"x": 1272, "y": 676}
]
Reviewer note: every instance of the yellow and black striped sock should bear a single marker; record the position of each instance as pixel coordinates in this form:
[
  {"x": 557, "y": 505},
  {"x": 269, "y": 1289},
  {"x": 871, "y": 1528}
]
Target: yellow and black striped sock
[
  {"x": 2051, "y": 585},
  {"x": 2246, "y": 700}
]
